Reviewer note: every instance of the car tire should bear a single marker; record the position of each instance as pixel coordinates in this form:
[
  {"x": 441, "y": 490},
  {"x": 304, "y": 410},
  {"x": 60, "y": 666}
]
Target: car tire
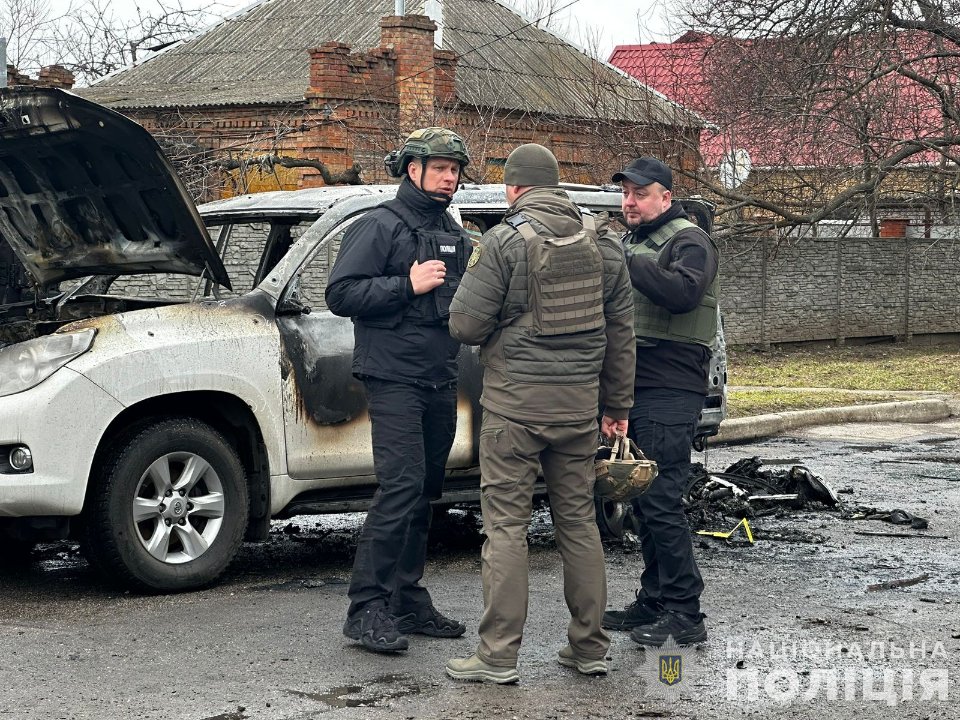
[
  {"x": 613, "y": 518},
  {"x": 168, "y": 509}
]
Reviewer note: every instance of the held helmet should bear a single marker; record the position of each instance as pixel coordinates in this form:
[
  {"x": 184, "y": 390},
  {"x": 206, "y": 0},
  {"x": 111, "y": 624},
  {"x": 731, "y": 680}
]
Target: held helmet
[
  {"x": 426, "y": 143},
  {"x": 623, "y": 472}
]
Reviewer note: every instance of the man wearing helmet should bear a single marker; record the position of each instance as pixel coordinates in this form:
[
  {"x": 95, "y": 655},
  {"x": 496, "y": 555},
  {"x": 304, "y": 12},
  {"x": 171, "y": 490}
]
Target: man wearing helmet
[{"x": 395, "y": 276}]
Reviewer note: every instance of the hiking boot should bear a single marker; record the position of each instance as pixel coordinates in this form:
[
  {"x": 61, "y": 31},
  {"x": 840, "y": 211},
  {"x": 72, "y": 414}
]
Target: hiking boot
[
  {"x": 473, "y": 668},
  {"x": 684, "y": 629},
  {"x": 376, "y": 630},
  {"x": 568, "y": 658},
  {"x": 428, "y": 620},
  {"x": 642, "y": 611},
  {"x": 351, "y": 628}
]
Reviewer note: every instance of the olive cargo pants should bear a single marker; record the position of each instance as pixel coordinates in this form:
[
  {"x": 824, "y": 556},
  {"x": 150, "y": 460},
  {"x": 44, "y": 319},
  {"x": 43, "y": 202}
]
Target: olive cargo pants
[{"x": 511, "y": 454}]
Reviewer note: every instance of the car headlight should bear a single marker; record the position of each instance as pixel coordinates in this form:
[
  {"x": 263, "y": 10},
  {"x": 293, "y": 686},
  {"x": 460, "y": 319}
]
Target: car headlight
[{"x": 26, "y": 364}]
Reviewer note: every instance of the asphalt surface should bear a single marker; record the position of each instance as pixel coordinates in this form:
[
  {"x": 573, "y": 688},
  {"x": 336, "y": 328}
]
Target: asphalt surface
[{"x": 793, "y": 608}]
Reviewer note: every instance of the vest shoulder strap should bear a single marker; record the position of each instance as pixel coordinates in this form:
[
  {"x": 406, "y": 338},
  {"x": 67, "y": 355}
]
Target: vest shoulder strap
[
  {"x": 401, "y": 210},
  {"x": 521, "y": 224},
  {"x": 589, "y": 224},
  {"x": 663, "y": 233}
]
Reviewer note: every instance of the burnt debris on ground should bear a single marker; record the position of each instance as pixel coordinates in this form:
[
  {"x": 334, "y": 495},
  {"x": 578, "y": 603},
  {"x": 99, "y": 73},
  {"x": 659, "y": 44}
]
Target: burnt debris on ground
[{"x": 748, "y": 489}]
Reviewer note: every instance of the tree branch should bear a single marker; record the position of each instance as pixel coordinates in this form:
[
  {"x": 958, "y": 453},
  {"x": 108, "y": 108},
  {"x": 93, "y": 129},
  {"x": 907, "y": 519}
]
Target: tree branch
[{"x": 267, "y": 164}]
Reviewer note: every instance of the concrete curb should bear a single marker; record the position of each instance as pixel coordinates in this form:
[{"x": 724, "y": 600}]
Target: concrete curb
[{"x": 760, "y": 426}]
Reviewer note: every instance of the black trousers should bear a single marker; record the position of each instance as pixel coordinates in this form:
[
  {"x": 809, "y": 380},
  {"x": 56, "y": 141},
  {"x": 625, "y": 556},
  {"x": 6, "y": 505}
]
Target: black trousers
[
  {"x": 412, "y": 431},
  {"x": 662, "y": 423}
]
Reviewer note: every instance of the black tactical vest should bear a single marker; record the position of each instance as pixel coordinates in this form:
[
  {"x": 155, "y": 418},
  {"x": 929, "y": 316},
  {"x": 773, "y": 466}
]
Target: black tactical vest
[{"x": 450, "y": 247}]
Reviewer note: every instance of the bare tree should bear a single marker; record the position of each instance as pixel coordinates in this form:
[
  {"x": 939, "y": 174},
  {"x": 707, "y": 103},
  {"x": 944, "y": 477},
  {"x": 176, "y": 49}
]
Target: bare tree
[
  {"x": 89, "y": 37},
  {"x": 93, "y": 40},
  {"x": 28, "y": 26},
  {"x": 850, "y": 104}
]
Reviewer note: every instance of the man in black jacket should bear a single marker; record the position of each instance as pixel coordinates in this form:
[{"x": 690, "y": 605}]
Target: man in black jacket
[
  {"x": 395, "y": 275},
  {"x": 673, "y": 268}
]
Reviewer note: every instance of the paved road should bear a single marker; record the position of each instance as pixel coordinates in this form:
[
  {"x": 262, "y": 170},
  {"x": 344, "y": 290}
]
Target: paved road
[{"x": 787, "y": 617}]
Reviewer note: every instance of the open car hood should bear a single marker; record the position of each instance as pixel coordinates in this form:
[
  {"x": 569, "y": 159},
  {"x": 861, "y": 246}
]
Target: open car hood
[{"x": 86, "y": 191}]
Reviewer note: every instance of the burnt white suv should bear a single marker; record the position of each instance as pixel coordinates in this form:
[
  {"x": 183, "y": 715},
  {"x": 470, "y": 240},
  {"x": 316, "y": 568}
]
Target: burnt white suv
[{"x": 148, "y": 406}]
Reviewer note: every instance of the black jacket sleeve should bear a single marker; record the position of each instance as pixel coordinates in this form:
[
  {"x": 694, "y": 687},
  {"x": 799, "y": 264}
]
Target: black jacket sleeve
[
  {"x": 369, "y": 276},
  {"x": 685, "y": 270}
]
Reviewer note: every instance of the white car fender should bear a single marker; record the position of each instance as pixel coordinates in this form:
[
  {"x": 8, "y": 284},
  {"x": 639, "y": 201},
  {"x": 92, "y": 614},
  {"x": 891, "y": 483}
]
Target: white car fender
[{"x": 219, "y": 347}]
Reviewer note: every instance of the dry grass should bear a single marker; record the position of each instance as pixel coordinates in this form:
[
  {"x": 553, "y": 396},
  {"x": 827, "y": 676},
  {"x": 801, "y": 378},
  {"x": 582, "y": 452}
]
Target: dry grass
[
  {"x": 869, "y": 367},
  {"x": 742, "y": 403},
  {"x": 886, "y": 367}
]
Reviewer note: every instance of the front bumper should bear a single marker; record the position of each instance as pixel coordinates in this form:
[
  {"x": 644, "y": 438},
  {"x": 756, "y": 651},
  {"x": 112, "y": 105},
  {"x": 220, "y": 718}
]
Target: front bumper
[{"x": 61, "y": 420}]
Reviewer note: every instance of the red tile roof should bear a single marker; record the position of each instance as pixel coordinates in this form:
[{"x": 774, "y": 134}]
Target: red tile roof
[{"x": 690, "y": 72}]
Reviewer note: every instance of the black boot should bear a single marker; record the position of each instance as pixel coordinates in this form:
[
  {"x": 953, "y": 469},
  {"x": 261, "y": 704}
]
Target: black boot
[
  {"x": 684, "y": 629},
  {"x": 427, "y": 620},
  {"x": 641, "y": 611},
  {"x": 376, "y": 630}
]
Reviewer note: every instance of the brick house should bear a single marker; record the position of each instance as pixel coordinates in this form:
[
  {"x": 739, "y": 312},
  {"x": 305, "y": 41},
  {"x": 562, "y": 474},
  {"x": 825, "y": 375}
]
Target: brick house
[{"x": 342, "y": 82}]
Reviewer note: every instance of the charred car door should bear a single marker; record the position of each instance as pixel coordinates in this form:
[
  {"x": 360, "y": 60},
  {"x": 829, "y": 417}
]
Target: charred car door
[{"x": 325, "y": 414}]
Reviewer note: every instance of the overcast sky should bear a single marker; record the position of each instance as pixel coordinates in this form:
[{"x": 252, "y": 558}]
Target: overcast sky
[{"x": 610, "y": 22}]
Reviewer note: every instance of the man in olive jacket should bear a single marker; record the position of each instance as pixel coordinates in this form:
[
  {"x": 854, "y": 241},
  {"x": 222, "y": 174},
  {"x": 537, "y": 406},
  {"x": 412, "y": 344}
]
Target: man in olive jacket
[{"x": 547, "y": 297}]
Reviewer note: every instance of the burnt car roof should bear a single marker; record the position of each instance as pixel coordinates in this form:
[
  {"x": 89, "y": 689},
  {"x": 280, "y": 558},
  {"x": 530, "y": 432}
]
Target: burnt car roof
[{"x": 86, "y": 191}]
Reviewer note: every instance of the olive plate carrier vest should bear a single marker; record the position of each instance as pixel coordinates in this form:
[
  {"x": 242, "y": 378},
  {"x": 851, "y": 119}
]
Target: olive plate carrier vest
[
  {"x": 565, "y": 280},
  {"x": 653, "y": 321}
]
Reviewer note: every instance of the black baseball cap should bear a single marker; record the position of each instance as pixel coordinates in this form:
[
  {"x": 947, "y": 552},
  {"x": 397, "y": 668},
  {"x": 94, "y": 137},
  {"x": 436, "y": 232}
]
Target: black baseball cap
[{"x": 644, "y": 171}]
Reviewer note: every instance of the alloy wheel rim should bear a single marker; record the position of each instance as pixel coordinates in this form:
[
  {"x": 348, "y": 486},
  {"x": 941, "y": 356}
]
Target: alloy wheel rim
[{"x": 178, "y": 507}]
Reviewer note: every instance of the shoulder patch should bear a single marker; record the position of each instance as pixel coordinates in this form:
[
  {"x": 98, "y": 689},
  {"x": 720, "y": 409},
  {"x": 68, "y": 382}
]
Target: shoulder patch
[{"x": 474, "y": 256}]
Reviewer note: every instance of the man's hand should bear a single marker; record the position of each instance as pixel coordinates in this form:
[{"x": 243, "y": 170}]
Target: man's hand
[
  {"x": 610, "y": 427},
  {"x": 427, "y": 276}
]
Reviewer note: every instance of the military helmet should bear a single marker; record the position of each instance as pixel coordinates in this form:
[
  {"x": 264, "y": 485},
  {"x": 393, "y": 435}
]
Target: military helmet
[
  {"x": 623, "y": 472},
  {"x": 426, "y": 143}
]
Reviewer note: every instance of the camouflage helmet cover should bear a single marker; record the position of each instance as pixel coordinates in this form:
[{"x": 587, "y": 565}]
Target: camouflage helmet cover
[
  {"x": 623, "y": 472},
  {"x": 426, "y": 143}
]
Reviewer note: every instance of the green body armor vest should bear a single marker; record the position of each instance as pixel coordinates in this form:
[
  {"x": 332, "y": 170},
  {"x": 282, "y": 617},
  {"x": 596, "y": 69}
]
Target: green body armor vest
[
  {"x": 565, "y": 290},
  {"x": 652, "y": 321}
]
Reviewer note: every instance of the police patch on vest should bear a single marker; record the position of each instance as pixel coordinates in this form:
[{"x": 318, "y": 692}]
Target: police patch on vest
[{"x": 474, "y": 257}]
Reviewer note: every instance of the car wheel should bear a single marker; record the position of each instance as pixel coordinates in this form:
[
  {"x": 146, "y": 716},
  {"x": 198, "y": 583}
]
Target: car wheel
[
  {"x": 613, "y": 518},
  {"x": 169, "y": 509}
]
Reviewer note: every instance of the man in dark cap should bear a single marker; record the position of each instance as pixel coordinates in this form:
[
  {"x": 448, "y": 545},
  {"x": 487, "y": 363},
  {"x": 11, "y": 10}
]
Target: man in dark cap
[
  {"x": 673, "y": 268},
  {"x": 547, "y": 297}
]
